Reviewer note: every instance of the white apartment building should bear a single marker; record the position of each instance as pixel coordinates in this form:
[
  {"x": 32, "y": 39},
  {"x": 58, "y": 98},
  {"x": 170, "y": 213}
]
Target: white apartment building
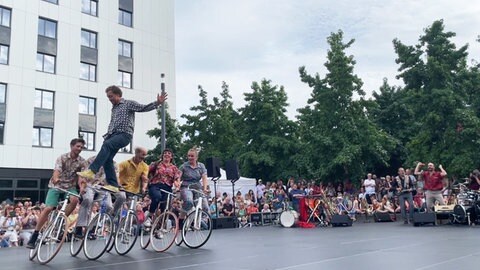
[{"x": 57, "y": 57}]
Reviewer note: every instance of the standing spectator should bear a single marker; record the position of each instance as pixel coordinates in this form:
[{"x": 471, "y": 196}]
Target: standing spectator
[
  {"x": 369, "y": 185},
  {"x": 433, "y": 183},
  {"x": 405, "y": 187},
  {"x": 260, "y": 190}
]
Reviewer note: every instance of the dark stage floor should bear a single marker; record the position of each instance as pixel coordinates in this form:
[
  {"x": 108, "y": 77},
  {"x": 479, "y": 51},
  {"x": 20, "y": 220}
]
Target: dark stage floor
[{"x": 363, "y": 246}]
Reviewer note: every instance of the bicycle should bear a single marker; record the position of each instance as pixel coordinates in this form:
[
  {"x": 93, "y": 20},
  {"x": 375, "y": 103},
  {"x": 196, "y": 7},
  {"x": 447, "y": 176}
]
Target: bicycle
[
  {"x": 99, "y": 232},
  {"x": 165, "y": 228},
  {"x": 51, "y": 241},
  {"x": 33, "y": 252},
  {"x": 127, "y": 232},
  {"x": 197, "y": 224}
]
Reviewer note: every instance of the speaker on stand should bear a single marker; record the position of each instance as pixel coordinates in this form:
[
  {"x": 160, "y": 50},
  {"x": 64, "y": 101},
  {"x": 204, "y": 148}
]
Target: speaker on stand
[{"x": 213, "y": 171}]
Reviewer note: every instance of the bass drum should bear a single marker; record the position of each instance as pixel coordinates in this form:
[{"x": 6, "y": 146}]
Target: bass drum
[
  {"x": 461, "y": 213},
  {"x": 288, "y": 218}
]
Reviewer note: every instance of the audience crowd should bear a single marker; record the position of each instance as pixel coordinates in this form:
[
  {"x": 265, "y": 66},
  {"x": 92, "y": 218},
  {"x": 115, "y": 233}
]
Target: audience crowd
[{"x": 373, "y": 195}]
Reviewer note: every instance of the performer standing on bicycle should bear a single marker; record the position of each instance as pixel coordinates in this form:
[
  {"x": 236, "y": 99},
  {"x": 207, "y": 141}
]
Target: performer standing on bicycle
[
  {"x": 192, "y": 172},
  {"x": 120, "y": 131},
  {"x": 163, "y": 174},
  {"x": 64, "y": 176},
  {"x": 84, "y": 213}
]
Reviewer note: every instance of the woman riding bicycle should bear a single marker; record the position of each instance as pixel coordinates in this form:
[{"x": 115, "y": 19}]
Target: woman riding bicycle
[
  {"x": 192, "y": 172},
  {"x": 163, "y": 174}
]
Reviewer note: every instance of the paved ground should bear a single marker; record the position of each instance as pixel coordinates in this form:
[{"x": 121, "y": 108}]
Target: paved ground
[{"x": 363, "y": 246}]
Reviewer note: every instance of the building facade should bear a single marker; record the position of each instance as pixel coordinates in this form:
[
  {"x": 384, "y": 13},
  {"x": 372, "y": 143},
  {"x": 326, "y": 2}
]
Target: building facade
[{"x": 57, "y": 57}]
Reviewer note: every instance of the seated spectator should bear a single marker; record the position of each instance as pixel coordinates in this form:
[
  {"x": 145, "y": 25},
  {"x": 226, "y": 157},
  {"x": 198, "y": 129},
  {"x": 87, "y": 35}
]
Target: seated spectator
[
  {"x": 387, "y": 205},
  {"x": 140, "y": 213},
  {"x": 212, "y": 209},
  {"x": 252, "y": 208},
  {"x": 266, "y": 208},
  {"x": 278, "y": 200},
  {"x": 29, "y": 221},
  {"x": 11, "y": 226},
  {"x": 242, "y": 214},
  {"x": 227, "y": 208}
]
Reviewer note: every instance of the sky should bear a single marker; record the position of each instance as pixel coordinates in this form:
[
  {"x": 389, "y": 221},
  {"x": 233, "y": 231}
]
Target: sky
[{"x": 240, "y": 42}]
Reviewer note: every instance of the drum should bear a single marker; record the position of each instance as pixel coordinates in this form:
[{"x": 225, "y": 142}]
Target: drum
[
  {"x": 460, "y": 213},
  {"x": 288, "y": 218},
  {"x": 465, "y": 199}
]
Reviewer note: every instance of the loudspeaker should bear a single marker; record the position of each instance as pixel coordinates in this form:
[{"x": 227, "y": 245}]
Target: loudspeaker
[
  {"x": 420, "y": 219},
  {"x": 213, "y": 167},
  {"x": 231, "y": 167},
  {"x": 382, "y": 217},
  {"x": 341, "y": 220},
  {"x": 223, "y": 222}
]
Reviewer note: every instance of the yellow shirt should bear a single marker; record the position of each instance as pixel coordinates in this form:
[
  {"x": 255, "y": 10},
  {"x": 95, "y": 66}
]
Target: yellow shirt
[{"x": 130, "y": 175}]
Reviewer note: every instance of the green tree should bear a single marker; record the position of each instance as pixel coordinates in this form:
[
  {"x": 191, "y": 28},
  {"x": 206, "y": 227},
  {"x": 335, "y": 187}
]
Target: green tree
[
  {"x": 267, "y": 132},
  {"x": 440, "y": 87},
  {"x": 212, "y": 126},
  {"x": 338, "y": 140}
]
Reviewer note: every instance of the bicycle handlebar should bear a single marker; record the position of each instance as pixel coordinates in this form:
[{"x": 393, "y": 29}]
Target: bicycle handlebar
[
  {"x": 168, "y": 192},
  {"x": 67, "y": 192}
]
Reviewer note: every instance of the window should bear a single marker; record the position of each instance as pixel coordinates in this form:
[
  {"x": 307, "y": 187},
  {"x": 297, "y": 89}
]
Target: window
[
  {"x": 88, "y": 72},
  {"x": 52, "y": 1},
  {"x": 45, "y": 63},
  {"x": 125, "y": 79},
  {"x": 86, "y": 106},
  {"x": 3, "y": 93},
  {"x": 44, "y": 99},
  {"x": 5, "y": 15},
  {"x": 125, "y": 17},
  {"x": 89, "y": 39},
  {"x": 126, "y": 149},
  {"x": 89, "y": 138},
  {"x": 4, "y": 54},
  {"x": 42, "y": 137},
  {"x": 89, "y": 7},
  {"x": 3, "y": 97},
  {"x": 47, "y": 28},
  {"x": 2, "y": 128},
  {"x": 125, "y": 48}
]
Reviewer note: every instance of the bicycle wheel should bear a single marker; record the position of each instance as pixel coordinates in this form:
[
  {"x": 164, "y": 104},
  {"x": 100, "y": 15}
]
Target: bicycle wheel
[
  {"x": 116, "y": 221},
  {"x": 179, "y": 238},
  {"x": 52, "y": 240},
  {"x": 145, "y": 233},
  {"x": 98, "y": 236},
  {"x": 197, "y": 230},
  {"x": 76, "y": 244},
  {"x": 127, "y": 233},
  {"x": 164, "y": 231}
]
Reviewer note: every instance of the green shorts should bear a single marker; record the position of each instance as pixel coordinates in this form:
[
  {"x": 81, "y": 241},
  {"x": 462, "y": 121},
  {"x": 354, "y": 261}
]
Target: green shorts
[{"x": 53, "y": 195}]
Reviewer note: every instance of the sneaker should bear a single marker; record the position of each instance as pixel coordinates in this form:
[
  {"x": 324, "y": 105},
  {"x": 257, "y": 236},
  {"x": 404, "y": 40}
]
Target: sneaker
[
  {"x": 32, "y": 243},
  {"x": 89, "y": 174}
]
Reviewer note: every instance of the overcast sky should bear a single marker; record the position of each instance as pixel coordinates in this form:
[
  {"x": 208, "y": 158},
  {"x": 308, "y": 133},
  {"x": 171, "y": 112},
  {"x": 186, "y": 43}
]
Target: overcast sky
[{"x": 244, "y": 41}]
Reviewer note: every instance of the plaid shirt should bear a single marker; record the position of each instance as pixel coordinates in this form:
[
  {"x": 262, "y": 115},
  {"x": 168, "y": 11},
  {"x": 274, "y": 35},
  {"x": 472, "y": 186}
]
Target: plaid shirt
[{"x": 123, "y": 116}]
